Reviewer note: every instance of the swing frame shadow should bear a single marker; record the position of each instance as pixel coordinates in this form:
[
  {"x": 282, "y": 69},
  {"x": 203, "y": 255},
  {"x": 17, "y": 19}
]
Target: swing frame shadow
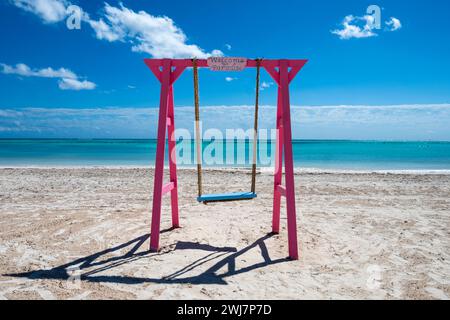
[{"x": 228, "y": 257}]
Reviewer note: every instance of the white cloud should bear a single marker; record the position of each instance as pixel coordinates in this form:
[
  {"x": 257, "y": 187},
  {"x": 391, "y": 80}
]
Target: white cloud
[
  {"x": 394, "y": 24},
  {"x": 68, "y": 80},
  {"x": 50, "y": 11},
  {"x": 351, "y": 30},
  {"x": 215, "y": 53},
  {"x": 395, "y": 122},
  {"x": 104, "y": 32},
  {"x": 157, "y": 36},
  {"x": 362, "y": 27},
  {"x": 228, "y": 46},
  {"x": 22, "y": 69},
  {"x": 75, "y": 84},
  {"x": 265, "y": 85},
  {"x": 229, "y": 79}
]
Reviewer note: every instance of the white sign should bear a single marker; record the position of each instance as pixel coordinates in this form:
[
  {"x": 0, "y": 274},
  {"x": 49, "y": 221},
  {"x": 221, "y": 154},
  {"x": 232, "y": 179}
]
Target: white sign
[{"x": 226, "y": 64}]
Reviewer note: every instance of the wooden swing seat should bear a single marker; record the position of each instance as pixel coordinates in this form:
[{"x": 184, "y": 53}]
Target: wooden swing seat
[{"x": 234, "y": 196}]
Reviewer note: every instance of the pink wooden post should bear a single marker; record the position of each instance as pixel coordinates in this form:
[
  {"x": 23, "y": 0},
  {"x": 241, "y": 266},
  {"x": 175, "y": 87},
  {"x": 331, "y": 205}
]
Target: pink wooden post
[
  {"x": 160, "y": 148},
  {"x": 283, "y": 77},
  {"x": 289, "y": 162},
  {"x": 166, "y": 121},
  {"x": 173, "y": 160},
  {"x": 278, "y": 175}
]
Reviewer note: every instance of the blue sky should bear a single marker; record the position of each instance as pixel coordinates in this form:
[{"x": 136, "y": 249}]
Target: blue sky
[{"x": 101, "y": 65}]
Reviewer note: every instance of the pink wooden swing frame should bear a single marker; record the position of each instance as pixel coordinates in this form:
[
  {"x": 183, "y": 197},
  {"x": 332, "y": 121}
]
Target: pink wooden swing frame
[{"x": 167, "y": 71}]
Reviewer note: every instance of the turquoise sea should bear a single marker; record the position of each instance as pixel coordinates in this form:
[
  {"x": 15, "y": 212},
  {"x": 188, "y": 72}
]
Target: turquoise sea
[{"x": 318, "y": 154}]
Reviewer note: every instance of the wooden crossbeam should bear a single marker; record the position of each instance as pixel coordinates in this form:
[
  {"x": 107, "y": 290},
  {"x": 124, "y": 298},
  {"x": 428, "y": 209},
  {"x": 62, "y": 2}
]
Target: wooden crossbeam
[
  {"x": 167, "y": 188},
  {"x": 281, "y": 189}
]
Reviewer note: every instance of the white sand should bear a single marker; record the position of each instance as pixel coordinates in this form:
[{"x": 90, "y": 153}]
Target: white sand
[{"x": 361, "y": 236}]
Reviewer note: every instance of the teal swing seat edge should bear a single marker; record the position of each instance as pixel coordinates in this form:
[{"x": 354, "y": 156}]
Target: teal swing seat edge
[{"x": 226, "y": 196}]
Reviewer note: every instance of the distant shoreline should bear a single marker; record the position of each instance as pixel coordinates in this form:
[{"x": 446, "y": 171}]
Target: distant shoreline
[
  {"x": 229, "y": 140},
  {"x": 263, "y": 170}
]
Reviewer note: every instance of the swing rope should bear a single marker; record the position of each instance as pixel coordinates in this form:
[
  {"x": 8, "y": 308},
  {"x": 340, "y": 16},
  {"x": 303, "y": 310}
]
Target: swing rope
[
  {"x": 197, "y": 127},
  {"x": 255, "y": 127},
  {"x": 198, "y": 138}
]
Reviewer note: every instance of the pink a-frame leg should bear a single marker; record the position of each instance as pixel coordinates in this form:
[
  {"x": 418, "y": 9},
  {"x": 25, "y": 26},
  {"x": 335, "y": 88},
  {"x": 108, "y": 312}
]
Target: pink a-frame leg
[
  {"x": 289, "y": 161},
  {"x": 173, "y": 160},
  {"x": 166, "y": 122},
  {"x": 278, "y": 175},
  {"x": 284, "y": 143},
  {"x": 160, "y": 149}
]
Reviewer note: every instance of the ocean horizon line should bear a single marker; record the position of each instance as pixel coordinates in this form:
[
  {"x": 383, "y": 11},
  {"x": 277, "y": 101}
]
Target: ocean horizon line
[
  {"x": 238, "y": 140},
  {"x": 261, "y": 170}
]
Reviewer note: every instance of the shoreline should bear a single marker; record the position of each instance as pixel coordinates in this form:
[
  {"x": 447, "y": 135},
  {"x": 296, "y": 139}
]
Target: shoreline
[{"x": 261, "y": 170}]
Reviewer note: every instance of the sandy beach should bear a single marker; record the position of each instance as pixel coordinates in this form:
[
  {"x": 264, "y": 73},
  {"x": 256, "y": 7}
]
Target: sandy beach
[{"x": 82, "y": 233}]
